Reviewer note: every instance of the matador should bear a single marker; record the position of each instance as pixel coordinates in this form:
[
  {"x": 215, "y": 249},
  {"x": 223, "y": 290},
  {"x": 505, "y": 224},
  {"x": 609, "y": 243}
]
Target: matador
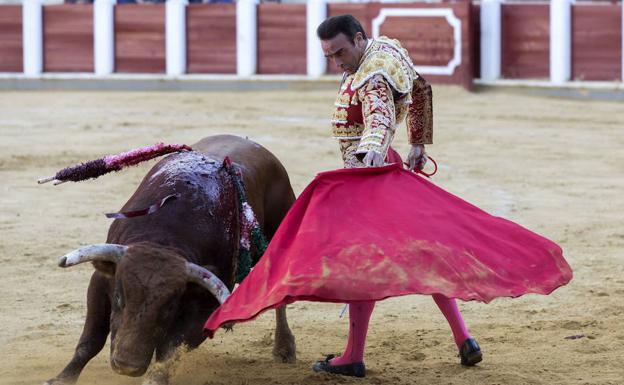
[{"x": 379, "y": 89}]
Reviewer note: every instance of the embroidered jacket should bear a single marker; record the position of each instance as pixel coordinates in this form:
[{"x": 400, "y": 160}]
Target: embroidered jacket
[{"x": 382, "y": 92}]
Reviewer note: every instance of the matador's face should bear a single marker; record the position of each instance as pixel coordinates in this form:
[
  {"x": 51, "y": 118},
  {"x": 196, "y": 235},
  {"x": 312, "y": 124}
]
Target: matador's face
[{"x": 345, "y": 53}]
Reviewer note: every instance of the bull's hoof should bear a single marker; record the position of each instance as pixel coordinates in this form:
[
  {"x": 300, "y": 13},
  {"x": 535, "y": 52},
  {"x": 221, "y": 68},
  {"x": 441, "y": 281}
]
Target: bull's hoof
[
  {"x": 284, "y": 357},
  {"x": 285, "y": 350}
]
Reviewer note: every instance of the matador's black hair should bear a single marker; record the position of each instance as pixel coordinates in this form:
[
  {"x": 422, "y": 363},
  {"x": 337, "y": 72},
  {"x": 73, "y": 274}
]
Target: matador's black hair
[{"x": 346, "y": 24}]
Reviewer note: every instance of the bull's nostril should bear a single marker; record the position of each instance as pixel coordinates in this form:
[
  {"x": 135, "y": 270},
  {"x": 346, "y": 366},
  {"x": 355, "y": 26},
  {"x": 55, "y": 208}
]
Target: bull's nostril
[{"x": 62, "y": 262}]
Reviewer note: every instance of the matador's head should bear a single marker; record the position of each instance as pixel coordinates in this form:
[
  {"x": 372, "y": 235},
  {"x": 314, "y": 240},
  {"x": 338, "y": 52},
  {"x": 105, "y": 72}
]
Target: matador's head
[{"x": 343, "y": 40}]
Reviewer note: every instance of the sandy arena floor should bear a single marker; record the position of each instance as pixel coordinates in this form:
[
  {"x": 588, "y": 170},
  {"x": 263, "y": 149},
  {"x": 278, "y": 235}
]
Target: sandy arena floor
[{"x": 553, "y": 165}]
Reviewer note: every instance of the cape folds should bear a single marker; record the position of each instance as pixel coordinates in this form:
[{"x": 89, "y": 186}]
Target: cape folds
[{"x": 374, "y": 233}]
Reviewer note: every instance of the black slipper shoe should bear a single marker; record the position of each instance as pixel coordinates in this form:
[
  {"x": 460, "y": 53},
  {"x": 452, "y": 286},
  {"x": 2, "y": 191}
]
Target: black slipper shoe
[
  {"x": 470, "y": 352},
  {"x": 354, "y": 370}
]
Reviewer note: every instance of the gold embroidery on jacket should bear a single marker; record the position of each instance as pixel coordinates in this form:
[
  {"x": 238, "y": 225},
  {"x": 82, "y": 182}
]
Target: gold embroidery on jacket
[{"x": 384, "y": 91}]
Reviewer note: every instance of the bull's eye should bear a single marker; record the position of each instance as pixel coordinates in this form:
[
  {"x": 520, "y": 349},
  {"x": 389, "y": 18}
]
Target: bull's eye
[{"x": 118, "y": 300}]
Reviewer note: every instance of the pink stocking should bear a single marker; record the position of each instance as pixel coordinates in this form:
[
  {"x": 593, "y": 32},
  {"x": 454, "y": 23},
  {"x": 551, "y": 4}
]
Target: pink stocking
[
  {"x": 359, "y": 315},
  {"x": 453, "y": 316}
]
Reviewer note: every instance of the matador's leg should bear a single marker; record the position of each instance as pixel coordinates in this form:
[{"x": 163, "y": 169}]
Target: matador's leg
[{"x": 469, "y": 350}]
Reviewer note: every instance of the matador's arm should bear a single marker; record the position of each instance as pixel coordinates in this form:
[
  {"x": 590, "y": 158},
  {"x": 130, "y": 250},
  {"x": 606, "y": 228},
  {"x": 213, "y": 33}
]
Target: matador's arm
[
  {"x": 379, "y": 116},
  {"x": 420, "y": 114}
]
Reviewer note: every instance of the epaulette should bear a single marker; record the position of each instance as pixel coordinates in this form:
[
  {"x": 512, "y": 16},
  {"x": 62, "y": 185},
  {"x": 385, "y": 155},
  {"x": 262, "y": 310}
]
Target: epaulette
[{"x": 386, "y": 57}]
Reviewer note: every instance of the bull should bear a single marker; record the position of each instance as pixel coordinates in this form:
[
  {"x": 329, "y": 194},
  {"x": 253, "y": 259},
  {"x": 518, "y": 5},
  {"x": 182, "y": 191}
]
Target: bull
[{"x": 158, "y": 277}]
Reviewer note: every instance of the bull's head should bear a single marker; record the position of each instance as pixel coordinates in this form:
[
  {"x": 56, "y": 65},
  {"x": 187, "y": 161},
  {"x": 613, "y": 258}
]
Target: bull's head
[{"x": 148, "y": 285}]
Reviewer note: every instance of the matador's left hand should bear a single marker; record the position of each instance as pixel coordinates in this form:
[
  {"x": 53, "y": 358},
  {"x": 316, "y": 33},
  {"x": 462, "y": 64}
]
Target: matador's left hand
[
  {"x": 417, "y": 157},
  {"x": 373, "y": 159}
]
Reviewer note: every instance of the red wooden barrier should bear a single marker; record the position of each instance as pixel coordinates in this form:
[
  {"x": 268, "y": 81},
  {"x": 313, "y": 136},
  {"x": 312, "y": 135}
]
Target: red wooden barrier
[
  {"x": 68, "y": 38},
  {"x": 211, "y": 38},
  {"x": 429, "y": 39},
  {"x": 525, "y": 40},
  {"x": 140, "y": 38},
  {"x": 282, "y": 39},
  {"x": 11, "y": 38},
  {"x": 597, "y": 42}
]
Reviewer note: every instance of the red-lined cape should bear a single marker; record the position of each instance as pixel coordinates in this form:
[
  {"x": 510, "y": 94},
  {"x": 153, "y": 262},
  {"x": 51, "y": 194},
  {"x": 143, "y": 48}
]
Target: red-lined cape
[{"x": 374, "y": 233}]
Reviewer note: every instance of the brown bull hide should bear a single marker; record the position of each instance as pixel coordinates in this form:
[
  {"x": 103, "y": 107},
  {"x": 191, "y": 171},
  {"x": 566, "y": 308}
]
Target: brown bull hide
[
  {"x": 144, "y": 300},
  {"x": 148, "y": 286}
]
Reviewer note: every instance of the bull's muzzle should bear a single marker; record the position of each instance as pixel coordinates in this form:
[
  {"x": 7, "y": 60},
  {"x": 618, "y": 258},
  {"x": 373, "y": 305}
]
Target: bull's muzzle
[{"x": 126, "y": 368}]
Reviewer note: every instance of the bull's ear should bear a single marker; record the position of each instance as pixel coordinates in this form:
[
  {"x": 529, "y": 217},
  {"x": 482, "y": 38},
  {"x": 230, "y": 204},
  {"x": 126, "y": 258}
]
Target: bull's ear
[{"x": 106, "y": 268}]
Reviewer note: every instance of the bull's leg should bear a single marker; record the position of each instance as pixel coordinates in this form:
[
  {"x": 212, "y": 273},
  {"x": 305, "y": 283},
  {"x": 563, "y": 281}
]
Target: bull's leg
[
  {"x": 184, "y": 335},
  {"x": 156, "y": 378},
  {"x": 284, "y": 349},
  {"x": 94, "y": 333},
  {"x": 281, "y": 198},
  {"x": 159, "y": 373},
  {"x": 167, "y": 358}
]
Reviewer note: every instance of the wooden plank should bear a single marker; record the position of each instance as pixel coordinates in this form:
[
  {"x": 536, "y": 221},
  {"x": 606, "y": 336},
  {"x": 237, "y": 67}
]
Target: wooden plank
[
  {"x": 140, "y": 38},
  {"x": 525, "y": 40},
  {"x": 429, "y": 40},
  {"x": 282, "y": 39},
  {"x": 11, "y": 38},
  {"x": 68, "y": 38},
  {"x": 597, "y": 42},
  {"x": 211, "y": 38}
]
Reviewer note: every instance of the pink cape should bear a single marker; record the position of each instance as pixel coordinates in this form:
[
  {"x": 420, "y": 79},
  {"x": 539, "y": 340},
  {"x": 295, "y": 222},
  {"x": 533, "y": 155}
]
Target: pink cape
[{"x": 374, "y": 233}]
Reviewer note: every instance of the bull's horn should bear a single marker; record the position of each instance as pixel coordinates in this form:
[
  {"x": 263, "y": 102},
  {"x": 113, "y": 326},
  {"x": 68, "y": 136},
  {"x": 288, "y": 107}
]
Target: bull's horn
[
  {"x": 208, "y": 280},
  {"x": 108, "y": 252}
]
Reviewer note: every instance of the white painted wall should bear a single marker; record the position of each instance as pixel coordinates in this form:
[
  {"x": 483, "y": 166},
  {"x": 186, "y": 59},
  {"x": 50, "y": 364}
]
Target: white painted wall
[
  {"x": 246, "y": 37},
  {"x": 316, "y": 12},
  {"x": 104, "y": 37},
  {"x": 560, "y": 41},
  {"x": 490, "y": 39},
  {"x": 32, "y": 37},
  {"x": 175, "y": 34}
]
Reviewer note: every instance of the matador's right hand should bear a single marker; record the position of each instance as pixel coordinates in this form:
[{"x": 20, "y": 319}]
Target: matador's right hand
[{"x": 373, "y": 159}]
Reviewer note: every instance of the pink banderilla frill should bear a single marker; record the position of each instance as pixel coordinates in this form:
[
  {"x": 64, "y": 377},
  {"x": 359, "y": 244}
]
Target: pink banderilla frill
[{"x": 95, "y": 168}]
